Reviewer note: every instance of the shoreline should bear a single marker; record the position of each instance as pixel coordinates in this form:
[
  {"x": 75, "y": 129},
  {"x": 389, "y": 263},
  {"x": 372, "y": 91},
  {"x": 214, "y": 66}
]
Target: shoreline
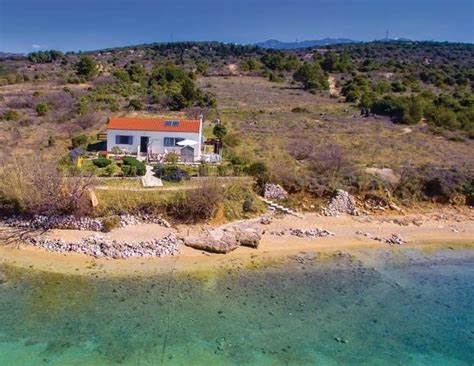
[
  {"x": 190, "y": 260},
  {"x": 432, "y": 231}
]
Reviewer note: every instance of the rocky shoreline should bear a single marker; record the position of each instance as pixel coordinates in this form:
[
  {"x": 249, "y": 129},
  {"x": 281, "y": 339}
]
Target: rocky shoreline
[
  {"x": 393, "y": 239},
  {"x": 304, "y": 233},
  {"x": 102, "y": 247},
  {"x": 70, "y": 222}
]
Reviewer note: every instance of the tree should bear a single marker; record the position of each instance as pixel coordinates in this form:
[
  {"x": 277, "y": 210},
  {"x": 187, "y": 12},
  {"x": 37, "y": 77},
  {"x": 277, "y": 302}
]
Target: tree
[
  {"x": 219, "y": 131},
  {"x": 87, "y": 67},
  {"x": 188, "y": 90},
  {"x": 274, "y": 61},
  {"x": 312, "y": 76},
  {"x": 442, "y": 117},
  {"x": 136, "y": 72},
  {"x": 412, "y": 111},
  {"x": 331, "y": 62}
]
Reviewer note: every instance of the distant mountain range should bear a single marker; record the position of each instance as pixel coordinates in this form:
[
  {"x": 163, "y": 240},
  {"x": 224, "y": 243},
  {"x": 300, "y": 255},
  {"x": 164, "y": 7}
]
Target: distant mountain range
[
  {"x": 4, "y": 55},
  {"x": 278, "y": 45}
]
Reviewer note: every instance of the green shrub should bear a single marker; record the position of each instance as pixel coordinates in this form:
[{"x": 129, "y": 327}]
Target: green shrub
[
  {"x": 111, "y": 222},
  {"x": 249, "y": 204},
  {"x": 136, "y": 167},
  {"x": 112, "y": 170},
  {"x": 136, "y": 104},
  {"x": 219, "y": 131},
  {"x": 42, "y": 109},
  {"x": 257, "y": 169},
  {"x": 11, "y": 115},
  {"x": 172, "y": 157},
  {"x": 127, "y": 171},
  {"x": 101, "y": 162},
  {"x": 87, "y": 67},
  {"x": 79, "y": 140}
]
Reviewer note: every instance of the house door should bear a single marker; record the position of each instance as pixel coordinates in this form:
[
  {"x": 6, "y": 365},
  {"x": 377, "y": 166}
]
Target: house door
[
  {"x": 144, "y": 144},
  {"x": 187, "y": 154}
]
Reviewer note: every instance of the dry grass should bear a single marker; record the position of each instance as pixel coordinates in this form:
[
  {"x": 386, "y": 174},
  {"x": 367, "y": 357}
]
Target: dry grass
[
  {"x": 117, "y": 202},
  {"x": 260, "y": 113}
]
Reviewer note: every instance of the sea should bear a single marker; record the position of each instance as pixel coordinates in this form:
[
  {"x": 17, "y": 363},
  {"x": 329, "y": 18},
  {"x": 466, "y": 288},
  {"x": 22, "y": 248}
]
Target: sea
[{"x": 372, "y": 307}]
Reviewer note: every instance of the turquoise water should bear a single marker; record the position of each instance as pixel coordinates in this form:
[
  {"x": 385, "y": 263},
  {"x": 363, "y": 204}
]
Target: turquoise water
[{"x": 412, "y": 309}]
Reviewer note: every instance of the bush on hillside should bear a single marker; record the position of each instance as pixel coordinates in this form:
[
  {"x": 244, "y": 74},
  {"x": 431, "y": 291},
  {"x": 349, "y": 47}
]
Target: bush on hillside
[
  {"x": 87, "y": 67},
  {"x": 330, "y": 169},
  {"x": 42, "y": 109},
  {"x": 11, "y": 115},
  {"x": 79, "y": 140},
  {"x": 136, "y": 104},
  {"x": 437, "y": 184},
  {"x": 197, "y": 204},
  {"x": 131, "y": 166},
  {"x": 101, "y": 162},
  {"x": 37, "y": 187}
]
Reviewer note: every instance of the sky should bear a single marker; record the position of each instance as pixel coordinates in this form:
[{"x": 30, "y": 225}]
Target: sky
[{"x": 73, "y": 25}]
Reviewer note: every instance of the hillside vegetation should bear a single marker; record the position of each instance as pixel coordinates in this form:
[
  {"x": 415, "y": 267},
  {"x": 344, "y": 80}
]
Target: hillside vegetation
[{"x": 316, "y": 117}]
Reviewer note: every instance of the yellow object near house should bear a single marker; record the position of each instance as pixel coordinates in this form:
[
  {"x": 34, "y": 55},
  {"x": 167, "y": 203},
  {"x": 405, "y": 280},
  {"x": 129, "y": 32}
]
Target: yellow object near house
[{"x": 79, "y": 162}]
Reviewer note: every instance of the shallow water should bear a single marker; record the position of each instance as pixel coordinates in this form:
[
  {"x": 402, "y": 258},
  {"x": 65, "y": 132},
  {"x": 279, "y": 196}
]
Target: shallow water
[{"x": 412, "y": 309}]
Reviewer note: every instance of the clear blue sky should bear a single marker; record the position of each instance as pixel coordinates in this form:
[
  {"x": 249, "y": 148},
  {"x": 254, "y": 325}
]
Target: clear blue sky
[{"x": 28, "y": 25}]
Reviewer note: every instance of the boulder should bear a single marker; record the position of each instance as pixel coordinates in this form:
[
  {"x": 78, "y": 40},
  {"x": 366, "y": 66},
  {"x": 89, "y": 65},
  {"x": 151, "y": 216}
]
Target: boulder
[
  {"x": 342, "y": 202},
  {"x": 94, "y": 202},
  {"x": 215, "y": 241},
  {"x": 248, "y": 237}
]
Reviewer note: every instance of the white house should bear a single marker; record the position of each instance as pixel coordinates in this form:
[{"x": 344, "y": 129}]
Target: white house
[{"x": 156, "y": 136}]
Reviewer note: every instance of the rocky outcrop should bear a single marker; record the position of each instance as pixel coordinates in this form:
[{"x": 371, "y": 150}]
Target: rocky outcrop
[
  {"x": 275, "y": 191},
  {"x": 342, "y": 202},
  {"x": 225, "y": 240},
  {"x": 248, "y": 237},
  {"x": 215, "y": 241}
]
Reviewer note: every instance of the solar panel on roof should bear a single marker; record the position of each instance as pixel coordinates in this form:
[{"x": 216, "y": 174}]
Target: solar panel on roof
[{"x": 171, "y": 123}]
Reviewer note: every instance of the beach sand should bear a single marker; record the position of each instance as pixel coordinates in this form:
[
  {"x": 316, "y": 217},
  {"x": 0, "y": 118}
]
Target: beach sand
[{"x": 427, "y": 231}]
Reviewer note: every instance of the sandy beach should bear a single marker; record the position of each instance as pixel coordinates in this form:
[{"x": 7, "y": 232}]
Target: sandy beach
[{"x": 427, "y": 231}]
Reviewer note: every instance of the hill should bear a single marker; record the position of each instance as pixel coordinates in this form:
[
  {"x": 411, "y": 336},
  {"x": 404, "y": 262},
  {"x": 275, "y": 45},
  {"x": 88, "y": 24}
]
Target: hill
[
  {"x": 278, "y": 45},
  {"x": 316, "y": 117}
]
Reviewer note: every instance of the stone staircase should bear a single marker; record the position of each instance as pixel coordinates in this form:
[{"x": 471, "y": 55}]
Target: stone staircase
[{"x": 277, "y": 207}]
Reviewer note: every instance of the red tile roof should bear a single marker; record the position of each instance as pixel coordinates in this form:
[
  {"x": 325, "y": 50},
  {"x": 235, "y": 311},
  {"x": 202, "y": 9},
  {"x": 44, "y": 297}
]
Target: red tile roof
[{"x": 152, "y": 124}]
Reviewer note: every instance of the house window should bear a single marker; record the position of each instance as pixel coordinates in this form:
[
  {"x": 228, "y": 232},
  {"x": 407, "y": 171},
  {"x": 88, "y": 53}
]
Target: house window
[
  {"x": 172, "y": 141},
  {"x": 171, "y": 123},
  {"x": 123, "y": 140}
]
